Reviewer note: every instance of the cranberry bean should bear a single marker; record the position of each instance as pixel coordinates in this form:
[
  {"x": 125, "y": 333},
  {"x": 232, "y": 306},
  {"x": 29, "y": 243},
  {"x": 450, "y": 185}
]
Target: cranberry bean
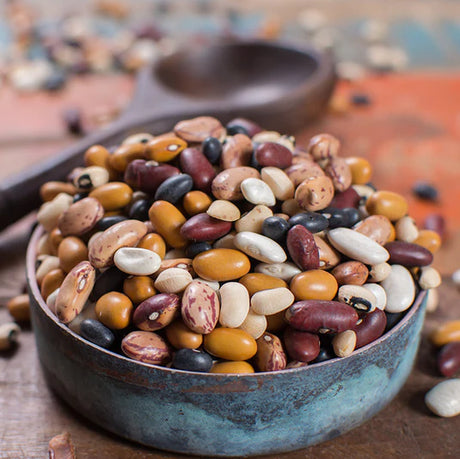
[
  {"x": 195, "y": 164},
  {"x": 320, "y": 316},
  {"x": 226, "y": 184},
  {"x": 301, "y": 345},
  {"x": 199, "y": 128},
  {"x": 74, "y": 291},
  {"x": 315, "y": 193},
  {"x": 371, "y": 327},
  {"x": 156, "y": 312},
  {"x": 147, "y": 347},
  {"x": 408, "y": 254},
  {"x": 202, "y": 228},
  {"x": 270, "y": 355},
  {"x": 449, "y": 359},
  {"x": 200, "y": 307},
  {"x": 323, "y": 146},
  {"x": 303, "y": 171},
  {"x": 339, "y": 172},
  {"x": 80, "y": 217},
  {"x": 236, "y": 152}
]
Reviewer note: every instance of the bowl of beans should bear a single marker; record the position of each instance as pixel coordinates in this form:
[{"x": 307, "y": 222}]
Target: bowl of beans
[{"x": 219, "y": 290}]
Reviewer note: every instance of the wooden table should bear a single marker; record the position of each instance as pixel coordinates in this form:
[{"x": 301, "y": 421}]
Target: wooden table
[{"x": 412, "y": 123}]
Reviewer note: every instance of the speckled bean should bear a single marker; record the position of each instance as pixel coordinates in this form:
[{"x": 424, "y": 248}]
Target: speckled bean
[
  {"x": 199, "y": 128},
  {"x": 315, "y": 193},
  {"x": 236, "y": 151},
  {"x": 74, "y": 291},
  {"x": 80, "y": 217},
  {"x": 226, "y": 184},
  {"x": 200, "y": 307},
  {"x": 102, "y": 248},
  {"x": 147, "y": 347},
  {"x": 270, "y": 355},
  {"x": 156, "y": 312}
]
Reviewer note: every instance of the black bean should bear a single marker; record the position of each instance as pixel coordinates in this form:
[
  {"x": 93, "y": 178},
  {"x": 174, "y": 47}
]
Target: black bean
[
  {"x": 174, "y": 188},
  {"x": 275, "y": 228},
  {"x": 192, "y": 360},
  {"x": 55, "y": 82},
  {"x": 79, "y": 196},
  {"x": 97, "y": 333},
  {"x": 107, "y": 222},
  {"x": 424, "y": 190},
  {"x": 140, "y": 210},
  {"x": 314, "y": 222},
  {"x": 393, "y": 318},
  {"x": 107, "y": 281},
  {"x": 234, "y": 128},
  {"x": 212, "y": 149},
  {"x": 359, "y": 98},
  {"x": 352, "y": 216},
  {"x": 73, "y": 121},
  {"x": 194, "y": 249}
]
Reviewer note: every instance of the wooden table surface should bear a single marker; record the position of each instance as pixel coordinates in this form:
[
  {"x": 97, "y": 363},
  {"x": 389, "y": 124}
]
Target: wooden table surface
[{"x": 411, "y": 131}]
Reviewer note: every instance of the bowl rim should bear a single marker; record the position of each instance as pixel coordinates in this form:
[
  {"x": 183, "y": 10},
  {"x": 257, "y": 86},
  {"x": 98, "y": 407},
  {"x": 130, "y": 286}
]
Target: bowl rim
[{"x": 34, "y": 291}]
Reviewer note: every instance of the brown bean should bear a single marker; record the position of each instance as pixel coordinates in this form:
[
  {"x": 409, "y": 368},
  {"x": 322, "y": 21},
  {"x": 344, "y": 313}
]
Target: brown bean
[
  {"x": 180, "y": 336},
  {"x": 320, "y": 316},
  {"x": 19, "y": 307},
  {"x": 71, "y": 251},
  {"x": 51, "y": 282},
  {"x": 351, "y": 272}
]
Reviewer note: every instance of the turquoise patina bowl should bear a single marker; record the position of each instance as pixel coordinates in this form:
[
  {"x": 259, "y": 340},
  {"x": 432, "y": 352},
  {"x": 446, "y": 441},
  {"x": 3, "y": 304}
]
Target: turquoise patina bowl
[{"x": 218, "y": 414}]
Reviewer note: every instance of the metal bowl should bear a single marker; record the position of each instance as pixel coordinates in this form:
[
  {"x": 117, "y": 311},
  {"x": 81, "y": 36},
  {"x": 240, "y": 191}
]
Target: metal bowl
[{"x": 218, "y": 414}]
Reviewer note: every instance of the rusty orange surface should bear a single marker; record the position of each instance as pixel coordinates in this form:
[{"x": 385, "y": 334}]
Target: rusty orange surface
[{"x": 410, "y": 132}]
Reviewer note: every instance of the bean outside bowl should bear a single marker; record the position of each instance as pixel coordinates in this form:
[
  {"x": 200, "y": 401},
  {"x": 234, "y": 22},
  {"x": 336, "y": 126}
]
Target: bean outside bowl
[{"x": 218, "y": 414}]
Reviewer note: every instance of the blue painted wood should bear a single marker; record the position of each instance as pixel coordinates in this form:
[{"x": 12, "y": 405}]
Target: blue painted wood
[{"x": 217, "y": 414}]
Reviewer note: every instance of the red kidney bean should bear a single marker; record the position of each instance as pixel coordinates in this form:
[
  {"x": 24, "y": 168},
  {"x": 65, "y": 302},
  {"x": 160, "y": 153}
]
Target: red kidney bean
[
  {"x": 302, "y": 248},
  {"x": 370, "y": 328},
  {"x": 195, "y": 163},
  {"x": 301, "y": 345},
  {"x": 347, "y": 198},
  {"x": 202, "y": 227},
  {"x": 435, "y": 222},
  {"x": 147, "y": 176},
  {"x": 321, "y": 316},
  {"x": 449, "y": 359},
  {"x": 156, "y": 312},
  {"x": 273, "y": 154},
  {"x": 408, "y": 254}
]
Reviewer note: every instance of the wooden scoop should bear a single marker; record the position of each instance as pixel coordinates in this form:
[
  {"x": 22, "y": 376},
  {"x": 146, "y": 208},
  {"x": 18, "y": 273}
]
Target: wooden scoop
[{"x": 278, "y": 86}]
